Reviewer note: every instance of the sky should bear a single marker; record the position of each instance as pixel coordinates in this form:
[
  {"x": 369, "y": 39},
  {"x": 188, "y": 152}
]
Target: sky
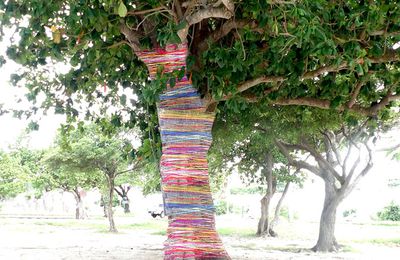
[{"x": 11, "y": 128}]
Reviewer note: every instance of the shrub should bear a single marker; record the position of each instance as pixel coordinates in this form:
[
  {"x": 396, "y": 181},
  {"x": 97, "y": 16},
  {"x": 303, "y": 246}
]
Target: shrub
[
  {"x": 220, "y": 207},
  {"x": 349, "y": 213},
  {"x": 391, "y": 212}
]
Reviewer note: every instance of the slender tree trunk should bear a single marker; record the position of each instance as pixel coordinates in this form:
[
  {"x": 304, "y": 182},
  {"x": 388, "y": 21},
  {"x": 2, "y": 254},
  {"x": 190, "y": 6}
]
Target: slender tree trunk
[
  {"x": 186, "y": 137},
  {"x": 110, "y": 212},
  {"x": 123, "y": 193},
  {"x": 263, "y": 223},
  {"x": 275, "y": 221},
  {"x": 79, "y": 210},
  {"x": 104, "y": 206},
  {"x": 326, "y": 238}
]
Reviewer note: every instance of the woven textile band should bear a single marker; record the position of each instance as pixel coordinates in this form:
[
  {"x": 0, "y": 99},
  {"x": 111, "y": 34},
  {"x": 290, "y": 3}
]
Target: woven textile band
[{"x": 186, "y": 138}]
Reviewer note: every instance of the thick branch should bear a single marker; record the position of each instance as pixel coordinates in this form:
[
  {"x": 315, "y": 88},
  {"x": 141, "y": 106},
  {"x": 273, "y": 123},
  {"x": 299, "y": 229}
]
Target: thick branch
[
  {"x": 201, "y": 14},
  {"x": 178, "y": 9},
  {"x": 224, "y": 30},
  {"x": 131, "y": 36},
  {"x": 390, "y": 56},
  {"x": 314, "y": 102}
]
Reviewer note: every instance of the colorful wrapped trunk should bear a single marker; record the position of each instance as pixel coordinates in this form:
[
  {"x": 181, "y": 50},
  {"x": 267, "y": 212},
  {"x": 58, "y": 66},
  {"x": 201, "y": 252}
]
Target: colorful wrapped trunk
[{"x": 186, "y": 138}]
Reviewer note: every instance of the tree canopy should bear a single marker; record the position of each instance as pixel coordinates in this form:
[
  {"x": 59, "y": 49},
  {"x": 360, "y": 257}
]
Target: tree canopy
[
  {"x": 337, "y": 54},
  {"x": 13, "y": 176}
]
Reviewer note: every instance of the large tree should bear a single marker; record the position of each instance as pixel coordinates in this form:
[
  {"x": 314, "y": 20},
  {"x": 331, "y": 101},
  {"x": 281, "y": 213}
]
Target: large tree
[
  {"x": 341, "y": 159},
  {"x": 337, "y": 55}
]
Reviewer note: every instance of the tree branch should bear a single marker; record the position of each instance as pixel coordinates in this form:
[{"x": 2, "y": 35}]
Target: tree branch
[
  {"x": 201, "y": 14},
  {"x": 317, "y": 156},
  {"x": 364, "y": 171},
  {"x": 355, "y": 93},
  {"x": 178, "y": 9},
  {"x": 132, "y": 13},
  {"x": 118, "y": 192},
  {"x": 224, "y": 30},
  {"x": 298, "y": 164},
  {"x": 131, "y": 36}
]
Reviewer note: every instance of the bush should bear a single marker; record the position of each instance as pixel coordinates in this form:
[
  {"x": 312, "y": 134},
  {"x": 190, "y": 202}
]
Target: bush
[
  {"x": 220, "y": 207},
  {"x": 391, "y": 212},
  {"x": 349, "y": 213}
]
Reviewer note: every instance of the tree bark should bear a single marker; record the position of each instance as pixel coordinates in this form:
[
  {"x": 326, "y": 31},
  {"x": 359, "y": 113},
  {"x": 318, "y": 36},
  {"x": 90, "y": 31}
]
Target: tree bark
[
  {"x": 123, "y": 193},
  {"x": 186, "y": 137},
  {"x": 79, "y": 210},
  {"x": 275, "y": 221},
  {"x": 263, "y": 223},
  {"x": 326, "y": 237},
  {"x": 110, "y": 213}
]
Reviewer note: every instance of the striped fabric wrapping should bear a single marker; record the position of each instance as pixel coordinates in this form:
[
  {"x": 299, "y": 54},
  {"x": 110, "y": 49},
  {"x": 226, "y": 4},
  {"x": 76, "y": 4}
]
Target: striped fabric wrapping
[{"x": 186, "y": 138}]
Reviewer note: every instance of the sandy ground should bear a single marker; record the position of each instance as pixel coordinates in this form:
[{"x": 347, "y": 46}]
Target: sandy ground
[{"x": 35, "y": 239}]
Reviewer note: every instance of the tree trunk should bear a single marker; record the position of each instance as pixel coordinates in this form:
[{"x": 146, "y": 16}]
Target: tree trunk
[
  {"x": 103, "y": 204},
  {"x": 186, "y": 137},
  {"x": 110, "y": 213},
  {"x": 79, "y": 210},
  {"x": 263, "y": 223},
  {"x": 123, "y": 193},
  {"x": 326, "y": 238},
  {"x": 275, "y": 221}
]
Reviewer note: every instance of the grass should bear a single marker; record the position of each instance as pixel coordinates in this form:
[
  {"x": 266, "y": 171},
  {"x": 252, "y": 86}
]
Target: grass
[
  {"x": 237, "y": 231},
  {"x": 290, "y": 231},
  {"x": 381, "y": 241}
]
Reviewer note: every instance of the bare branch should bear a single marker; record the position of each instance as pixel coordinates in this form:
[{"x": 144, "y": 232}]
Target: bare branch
[
  {"x": 298, "y": 164},
  {"x": 329, "y": 135},
  {"x": 118, "y": 192},
  {"x": 364, "y": 171},
  {"x": 353, "y": 168},
  {"x": 317, "y": 156}
]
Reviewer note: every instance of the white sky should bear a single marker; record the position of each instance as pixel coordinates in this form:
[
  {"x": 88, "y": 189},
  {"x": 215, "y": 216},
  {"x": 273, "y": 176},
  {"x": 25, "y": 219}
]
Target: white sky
[{"x": 10, "y": 127}]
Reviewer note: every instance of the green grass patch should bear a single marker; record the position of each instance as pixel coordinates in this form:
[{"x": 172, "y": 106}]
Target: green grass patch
[
  {"x": 234, "y": 231},
  {"x": 160, "y": 233},
  {"x": 382, "y": 241}
]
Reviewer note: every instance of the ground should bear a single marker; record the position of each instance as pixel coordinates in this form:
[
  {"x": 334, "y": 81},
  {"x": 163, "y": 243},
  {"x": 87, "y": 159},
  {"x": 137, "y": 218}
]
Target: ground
[{"x": 24, "y": 237}]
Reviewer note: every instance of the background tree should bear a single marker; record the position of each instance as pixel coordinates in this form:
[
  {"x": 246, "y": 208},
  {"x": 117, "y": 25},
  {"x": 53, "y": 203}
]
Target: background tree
[
  {"x": 250, "y": 149},
  {"x": 332, "y": 152},
  {"x": 87, "y": 150},
  {"x": 338, "y": 55},
  {"x": 13, "y": 176},
  {"x": 63, "y": 174}
]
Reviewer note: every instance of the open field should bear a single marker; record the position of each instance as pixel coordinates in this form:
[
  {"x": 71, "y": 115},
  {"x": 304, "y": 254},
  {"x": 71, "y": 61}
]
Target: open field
[{"x": 64, "y": 238}]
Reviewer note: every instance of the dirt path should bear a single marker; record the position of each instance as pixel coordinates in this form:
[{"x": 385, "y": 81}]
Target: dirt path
[{"x": 29, "y": 239}]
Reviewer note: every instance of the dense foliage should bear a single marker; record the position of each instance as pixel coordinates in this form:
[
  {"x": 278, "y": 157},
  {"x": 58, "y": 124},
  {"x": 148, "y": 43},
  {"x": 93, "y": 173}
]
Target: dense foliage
[
  {"x": 337, "y": 54},
  {"x": 13, "y": 176},
  {"x": 390, "y": 212}
]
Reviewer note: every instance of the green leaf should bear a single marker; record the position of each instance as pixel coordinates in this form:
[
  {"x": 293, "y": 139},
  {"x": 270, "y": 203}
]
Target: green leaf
[{"x": 122, "y": 10}]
